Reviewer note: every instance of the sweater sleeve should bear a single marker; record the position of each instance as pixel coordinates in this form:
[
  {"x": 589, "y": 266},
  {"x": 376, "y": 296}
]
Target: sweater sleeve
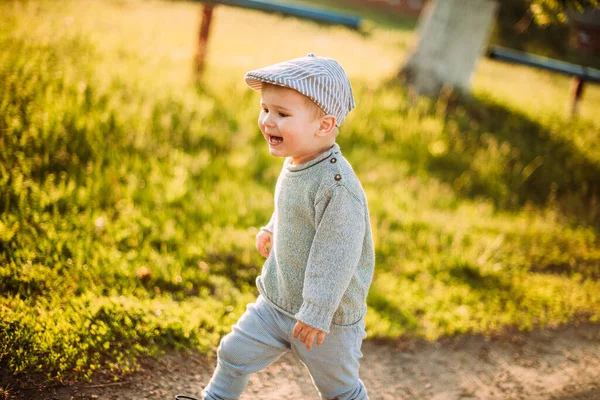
[
  {"x": 333, "y": 258},
  {"x": 269, "y": 226}
]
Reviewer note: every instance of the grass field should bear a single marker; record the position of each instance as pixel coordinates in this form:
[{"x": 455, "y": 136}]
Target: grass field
[{"x": 130, "y": 195}]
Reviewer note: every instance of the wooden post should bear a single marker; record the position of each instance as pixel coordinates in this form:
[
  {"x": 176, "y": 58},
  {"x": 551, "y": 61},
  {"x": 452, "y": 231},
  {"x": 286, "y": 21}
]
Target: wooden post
[
  {"x": 576, "y": 94},
  {"x": 207, "y": 12}
]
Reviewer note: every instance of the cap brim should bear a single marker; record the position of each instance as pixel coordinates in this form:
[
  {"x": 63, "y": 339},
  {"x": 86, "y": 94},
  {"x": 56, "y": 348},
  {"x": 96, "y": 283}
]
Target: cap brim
[
  {"x": 253, "y": 83},
  {"x": 255, "y": 80}
]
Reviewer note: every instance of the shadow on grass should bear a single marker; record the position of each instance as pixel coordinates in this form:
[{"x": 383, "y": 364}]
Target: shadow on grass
[
  {"x": 477, "y": 280},
  {"x": 503, "y": 155},
  {"x": 586, "y": 269}
]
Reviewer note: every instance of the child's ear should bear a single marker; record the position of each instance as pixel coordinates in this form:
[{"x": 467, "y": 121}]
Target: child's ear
[{"x": 326, "y": 125}]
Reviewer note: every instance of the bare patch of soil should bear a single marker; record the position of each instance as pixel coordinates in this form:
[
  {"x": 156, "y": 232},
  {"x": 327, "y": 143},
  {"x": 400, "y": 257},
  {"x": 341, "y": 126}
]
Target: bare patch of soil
[{"x": 557, "y": 364}]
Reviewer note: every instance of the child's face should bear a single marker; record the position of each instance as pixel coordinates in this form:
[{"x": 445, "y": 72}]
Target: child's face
[{"x": 290, "y": 124}]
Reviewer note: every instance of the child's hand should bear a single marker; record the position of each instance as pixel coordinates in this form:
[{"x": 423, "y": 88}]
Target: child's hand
[
  {"x": 307, "y": 334},
  {"x": 264, "y": 239}
]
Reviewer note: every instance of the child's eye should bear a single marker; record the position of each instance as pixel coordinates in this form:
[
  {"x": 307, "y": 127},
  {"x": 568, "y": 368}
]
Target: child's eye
[
  {"x": 266, "y": 110},
  {"x": 283, "y": 114}
]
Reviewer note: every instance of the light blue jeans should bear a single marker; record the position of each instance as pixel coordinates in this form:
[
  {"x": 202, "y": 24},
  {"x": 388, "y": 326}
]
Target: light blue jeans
[{"x": 263, "y": 334}]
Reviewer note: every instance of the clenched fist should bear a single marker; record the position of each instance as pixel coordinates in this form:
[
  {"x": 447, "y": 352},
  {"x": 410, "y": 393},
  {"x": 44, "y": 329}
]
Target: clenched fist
[{"x": 264, "y": 241}]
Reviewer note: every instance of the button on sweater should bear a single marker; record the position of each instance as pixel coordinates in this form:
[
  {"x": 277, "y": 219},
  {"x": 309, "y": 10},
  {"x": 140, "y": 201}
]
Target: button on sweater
[{"x": 322, "y": 259}]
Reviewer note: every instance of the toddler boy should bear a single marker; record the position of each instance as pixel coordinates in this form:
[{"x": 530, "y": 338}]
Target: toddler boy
[{"x": 318, "y": 243}]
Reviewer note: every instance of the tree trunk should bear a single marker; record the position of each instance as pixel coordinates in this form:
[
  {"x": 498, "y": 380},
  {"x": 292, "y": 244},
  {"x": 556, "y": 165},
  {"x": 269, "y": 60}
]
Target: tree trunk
[{"x": 452, "y": 37}]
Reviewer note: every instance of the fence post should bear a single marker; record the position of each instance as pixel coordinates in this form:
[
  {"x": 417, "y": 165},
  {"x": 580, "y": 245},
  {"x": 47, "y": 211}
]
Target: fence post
[{"x": 207, "y": 12}]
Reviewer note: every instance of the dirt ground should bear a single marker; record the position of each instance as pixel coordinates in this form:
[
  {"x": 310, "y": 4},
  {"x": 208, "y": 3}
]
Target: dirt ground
[{"x": 558, "y": 364}]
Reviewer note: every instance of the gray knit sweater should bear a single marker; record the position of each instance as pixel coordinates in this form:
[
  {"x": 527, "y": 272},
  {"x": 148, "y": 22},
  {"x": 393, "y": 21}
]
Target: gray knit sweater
[{"x": 322, "y": 259}]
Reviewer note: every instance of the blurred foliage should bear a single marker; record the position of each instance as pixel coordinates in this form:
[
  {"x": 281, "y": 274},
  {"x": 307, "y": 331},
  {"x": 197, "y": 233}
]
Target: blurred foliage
[
  {"x": 130, "y": 196},
  {"x": 541, "y": 27},
  {"x": 547, "y": 12}
]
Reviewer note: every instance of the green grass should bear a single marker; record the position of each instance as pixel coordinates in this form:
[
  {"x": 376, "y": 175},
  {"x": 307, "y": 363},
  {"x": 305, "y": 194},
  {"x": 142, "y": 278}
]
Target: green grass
[{"x": 130, "y": 195}]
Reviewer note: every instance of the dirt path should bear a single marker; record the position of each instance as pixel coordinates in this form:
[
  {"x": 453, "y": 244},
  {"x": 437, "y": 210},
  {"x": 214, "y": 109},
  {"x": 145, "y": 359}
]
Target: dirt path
[{"x": 550, "y": 364}]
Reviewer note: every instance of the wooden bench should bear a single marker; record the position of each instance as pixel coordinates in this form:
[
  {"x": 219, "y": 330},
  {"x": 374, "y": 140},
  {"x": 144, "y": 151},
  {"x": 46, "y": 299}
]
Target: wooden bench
[{"x": 580, "y": 74}]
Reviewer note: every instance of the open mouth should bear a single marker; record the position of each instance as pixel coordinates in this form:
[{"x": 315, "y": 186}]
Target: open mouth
[{"x": 275, "y": 140}]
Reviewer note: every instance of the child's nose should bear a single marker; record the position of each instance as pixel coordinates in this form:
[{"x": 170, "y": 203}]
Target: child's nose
[{"x": 268, "y": 120}]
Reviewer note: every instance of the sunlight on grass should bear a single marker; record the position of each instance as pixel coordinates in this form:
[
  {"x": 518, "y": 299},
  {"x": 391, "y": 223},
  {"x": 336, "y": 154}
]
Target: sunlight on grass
[{"x": 541, "y": 93}]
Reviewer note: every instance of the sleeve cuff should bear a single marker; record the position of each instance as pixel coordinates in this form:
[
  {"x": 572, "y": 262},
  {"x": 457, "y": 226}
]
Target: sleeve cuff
[
  {"x": 315, "y": 316},
  {"x": 266, "y": 228}
]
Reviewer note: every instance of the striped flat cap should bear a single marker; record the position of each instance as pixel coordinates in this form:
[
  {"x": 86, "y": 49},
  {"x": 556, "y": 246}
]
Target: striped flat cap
[{"x": 321, "y": 79}]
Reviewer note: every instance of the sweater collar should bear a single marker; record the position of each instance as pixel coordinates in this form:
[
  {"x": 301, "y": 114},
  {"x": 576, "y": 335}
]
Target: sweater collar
[{"x": 294, "y": 168}]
